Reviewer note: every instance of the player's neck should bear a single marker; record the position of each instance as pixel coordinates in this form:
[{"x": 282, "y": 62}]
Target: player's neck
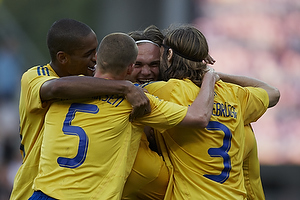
[{"x": 108, "y": 76}]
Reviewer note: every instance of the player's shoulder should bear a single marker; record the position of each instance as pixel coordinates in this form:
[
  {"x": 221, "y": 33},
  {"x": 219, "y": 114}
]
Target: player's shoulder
[
  {"x": 152, "y": 84},
  {"x": 221, "y": 85},
  {"x": 40, "y": 70},
  {"x": 152, "y": 97}
]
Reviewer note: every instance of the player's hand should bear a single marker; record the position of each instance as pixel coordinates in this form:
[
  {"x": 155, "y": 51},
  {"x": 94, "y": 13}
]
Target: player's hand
[
  {"x": 214, "y": 73},
  {"x": 139, "y": 101},
  {"x": 209, "y": 60}
]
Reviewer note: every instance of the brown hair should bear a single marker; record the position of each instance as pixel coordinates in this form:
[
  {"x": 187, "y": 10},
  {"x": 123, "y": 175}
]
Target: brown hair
[
  {"x": 190, "y": 48},
  {"x": 151, "y": 33}
]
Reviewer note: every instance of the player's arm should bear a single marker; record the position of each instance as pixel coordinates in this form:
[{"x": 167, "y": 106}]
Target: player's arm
[
  {"x": 245, "y": 81},
  {"x": 74, "y": 87},
  {"x": 199, "y": 113}
]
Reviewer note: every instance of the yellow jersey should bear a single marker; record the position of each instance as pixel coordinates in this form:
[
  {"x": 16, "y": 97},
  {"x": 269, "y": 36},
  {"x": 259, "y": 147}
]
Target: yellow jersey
[
  {"x": 208, "y": 163},
  {"x": 32, "y": 112},
  {"x": 251, "y": 167},
  {"x": 89, "y": 146}
]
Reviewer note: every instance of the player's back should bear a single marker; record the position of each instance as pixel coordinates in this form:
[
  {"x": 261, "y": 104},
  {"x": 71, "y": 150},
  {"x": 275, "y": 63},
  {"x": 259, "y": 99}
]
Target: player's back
[
  {"x": 208, "y": 162},
  {"x": 85, "y": 148},
  {"x": 89, "y": 147}
]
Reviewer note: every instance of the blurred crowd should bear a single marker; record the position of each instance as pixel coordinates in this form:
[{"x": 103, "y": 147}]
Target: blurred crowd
[
  {"x": 10, "y": 73},
  {"x": 258, "y": 38},
  {"x": 261, "y": 39}
]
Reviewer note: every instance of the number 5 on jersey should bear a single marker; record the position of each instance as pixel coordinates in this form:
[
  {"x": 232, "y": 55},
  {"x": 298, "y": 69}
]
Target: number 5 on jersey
[{"x": 68, "y": 129}]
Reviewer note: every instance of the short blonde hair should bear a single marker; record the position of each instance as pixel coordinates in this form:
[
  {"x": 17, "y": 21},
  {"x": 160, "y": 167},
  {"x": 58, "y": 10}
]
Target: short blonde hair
[{"x": 116, "y": 52}]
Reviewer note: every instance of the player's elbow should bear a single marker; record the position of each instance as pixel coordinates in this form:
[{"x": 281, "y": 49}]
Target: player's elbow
[
  {"x": 274, "y": 97},
  {"x": 197, "y": 121},
  {"x": 203, "y": 121}
]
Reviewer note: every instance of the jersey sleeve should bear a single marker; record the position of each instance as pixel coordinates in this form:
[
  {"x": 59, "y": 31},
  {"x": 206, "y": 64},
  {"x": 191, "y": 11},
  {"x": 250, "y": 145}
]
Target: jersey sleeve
[
  {"x": 255, "y": 104},
  {"x": 155, "y": 87},
  {"x": 31, "y": 82},
  {"x": 164, "y": 115}
]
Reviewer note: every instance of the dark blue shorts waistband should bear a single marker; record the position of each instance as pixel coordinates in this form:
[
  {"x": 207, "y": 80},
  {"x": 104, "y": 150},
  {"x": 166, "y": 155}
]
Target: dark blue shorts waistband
[{"x": 39, "y": 195}]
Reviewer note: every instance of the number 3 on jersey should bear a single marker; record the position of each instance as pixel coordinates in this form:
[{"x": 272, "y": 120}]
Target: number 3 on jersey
[
  {"x": 68, "y": 129},
  {"x": 221, "y": 152}
]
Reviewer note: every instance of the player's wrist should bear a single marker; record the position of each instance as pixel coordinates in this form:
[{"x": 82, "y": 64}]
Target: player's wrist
[{"x": 127, "y": 87}]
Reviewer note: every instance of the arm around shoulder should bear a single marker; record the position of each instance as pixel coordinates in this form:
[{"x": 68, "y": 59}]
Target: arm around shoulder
[
  {"x": 199, "y": 113},
  {"x": 75, "y": 87},
  {"x": 245, "y": 81}
]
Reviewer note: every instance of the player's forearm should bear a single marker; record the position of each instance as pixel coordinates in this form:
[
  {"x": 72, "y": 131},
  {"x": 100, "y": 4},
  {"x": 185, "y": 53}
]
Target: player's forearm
[
  {"x": 199, "y": 113},
  {"x": 74, "y": 87},
  {"x": 245, "y": 81}
]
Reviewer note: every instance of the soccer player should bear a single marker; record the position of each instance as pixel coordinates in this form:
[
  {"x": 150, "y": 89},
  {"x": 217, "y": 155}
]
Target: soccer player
[
  {"x": 149, "y": 176},
  {"x": 72, "y": 47},
  {"x": 207, "y": 163},
  {"x": 89, "y": 146},
  {"x": 251, "y": 165},
  {"x": 146, "y": 67}
]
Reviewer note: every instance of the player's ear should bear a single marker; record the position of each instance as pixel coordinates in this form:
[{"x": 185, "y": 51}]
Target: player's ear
[
  {"x": 130, "y": 69},
  {"x": 62, "y": 57},
  {"x": 96, "y": 54},
  {"x": 170, "y": 54}
]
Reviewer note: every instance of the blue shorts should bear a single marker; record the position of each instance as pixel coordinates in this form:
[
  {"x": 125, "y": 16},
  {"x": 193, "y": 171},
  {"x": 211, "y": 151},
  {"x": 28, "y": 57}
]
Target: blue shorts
[{"x": 39, "y": 195}]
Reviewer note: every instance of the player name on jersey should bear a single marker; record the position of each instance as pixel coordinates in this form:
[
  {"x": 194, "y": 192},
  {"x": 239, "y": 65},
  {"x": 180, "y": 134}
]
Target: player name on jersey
[
  {"x": 224, "y": 110},
  {"x": 114, "y": 100}
]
